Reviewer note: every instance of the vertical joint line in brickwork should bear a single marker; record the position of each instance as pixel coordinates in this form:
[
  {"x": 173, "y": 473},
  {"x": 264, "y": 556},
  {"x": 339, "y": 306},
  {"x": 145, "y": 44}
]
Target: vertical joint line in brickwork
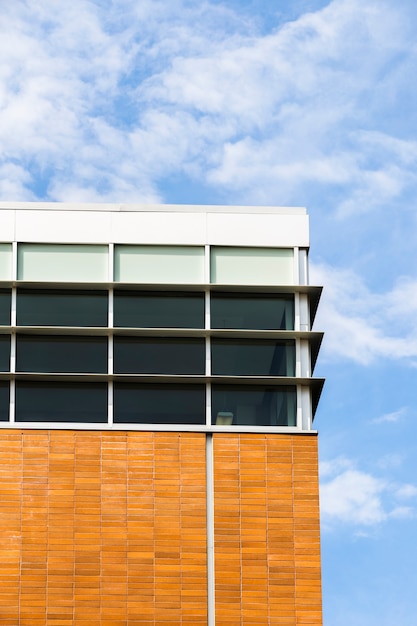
[{"x": 210, "y": 529}]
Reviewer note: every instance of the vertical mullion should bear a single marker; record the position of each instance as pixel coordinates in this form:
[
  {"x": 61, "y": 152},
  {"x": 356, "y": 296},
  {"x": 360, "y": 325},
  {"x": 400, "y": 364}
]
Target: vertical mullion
[
  {"x": 296, "y": 267},
  {"x": 12, "y": 388},
  {"x": 110, "y": 361},
  {"x": 207, "y": 327},
  {"x": 110, "y": 323},
  {"x": 296, "y": 311}
]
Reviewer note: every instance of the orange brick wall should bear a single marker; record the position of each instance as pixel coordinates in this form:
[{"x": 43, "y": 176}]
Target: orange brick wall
[
  {"x": 109, "y": 528},
  {"x": 267, "y": 537},
  {"x": 102, "y": 528}
]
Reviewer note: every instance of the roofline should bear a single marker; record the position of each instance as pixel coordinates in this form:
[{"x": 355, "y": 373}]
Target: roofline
[{"x": 144, "y": 208}]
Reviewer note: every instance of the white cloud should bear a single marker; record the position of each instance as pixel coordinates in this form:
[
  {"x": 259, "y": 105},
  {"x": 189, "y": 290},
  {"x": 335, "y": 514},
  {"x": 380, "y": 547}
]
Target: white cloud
[
  {"x": 362, "y": 325},
  {"x": 103, "y": 100},
  {"x": 392, "y": 417},
  {"x": 406, "y": 491},
  {"x": 353, "y": 497}
]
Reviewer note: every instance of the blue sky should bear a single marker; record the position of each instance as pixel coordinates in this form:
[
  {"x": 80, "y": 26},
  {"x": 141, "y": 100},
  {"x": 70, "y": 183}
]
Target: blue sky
[{"x": 304, "y": 103}]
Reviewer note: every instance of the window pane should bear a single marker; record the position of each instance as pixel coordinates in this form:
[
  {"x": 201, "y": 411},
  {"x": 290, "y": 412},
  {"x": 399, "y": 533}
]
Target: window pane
[
  {"x": 48, "y": 307},
  {"x": 61, "y": 402},
  {"x": 5, "y": 301},
  {"x": 71, "y": 354},
  {"x": 149, "y": 355},
  {"x": 253, "y": 406},
  {"x": 257, "y": 311},
  {"x": 4, "y": 400},
  {"x": 251, "y": 357},
  {"x": 159, "y": 264},
  {"x": 62, "y": 262},
  {"x": 252, "y": 266},
  {"x": 4, "y": 353},
  {"x": 5, "y": 261},
  {"x": 158, "y": 310},
  {"x": 159, "y": 404}
]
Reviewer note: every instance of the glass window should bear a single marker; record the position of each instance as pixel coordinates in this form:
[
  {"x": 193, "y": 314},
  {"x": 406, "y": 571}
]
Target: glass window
[
  {"x": 5, "y": 302},
  {"x": 70, "y": 354},
  {"x": 159, "y": 264},
  {"x": 5, "y": 261},
  {"x": 4, "y": 353},
  {"x": 154, "y": 355},
  {"x": 49, "y": 307},
  {"x": 61, "y": 402},
  {"x": 4, "y": 400},
  {"x": 253, "y": 406},
  {"x": 251, "y": 357},
  {"x": 143, "y": 309},
  {"x": 252, "y": 266},
  {"x": 62, "y": 262},
  {"x": 159, "y": 404},
  {"x": 258, "y": 311}
]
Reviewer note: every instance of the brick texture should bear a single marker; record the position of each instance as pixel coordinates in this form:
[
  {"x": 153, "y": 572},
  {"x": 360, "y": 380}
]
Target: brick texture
[
  {"x": 267, "y": 538},
  {"x": 109, "y": 529},
  {"x": 101, "y": 528}
]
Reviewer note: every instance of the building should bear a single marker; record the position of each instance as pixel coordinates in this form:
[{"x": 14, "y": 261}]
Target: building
[{"x": 158, "y": 457}]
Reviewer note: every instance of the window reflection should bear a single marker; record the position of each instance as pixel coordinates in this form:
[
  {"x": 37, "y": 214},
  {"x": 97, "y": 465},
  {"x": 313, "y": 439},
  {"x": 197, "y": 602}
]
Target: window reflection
[
  {"x": 5, "y": 302},
  {"x": 4, "y": 400},
  {"x": 252, "y": 311},
  {"x": 48, "y": 307},
  {"x": 61, "y": 402},
  {"x": 149, "y": 355},
  {"x": 142, "y": 309},
  {"x": 253, "y": 405},
  {"x": 239, "y": 357},
  {"x": 159, "y": 404},
  {"x": 4, "y": 353},
  {"x": 68, "y": 354}
]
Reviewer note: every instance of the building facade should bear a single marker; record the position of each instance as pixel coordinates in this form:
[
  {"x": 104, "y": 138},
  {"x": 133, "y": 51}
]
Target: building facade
[{"x": 159, "y": 460}]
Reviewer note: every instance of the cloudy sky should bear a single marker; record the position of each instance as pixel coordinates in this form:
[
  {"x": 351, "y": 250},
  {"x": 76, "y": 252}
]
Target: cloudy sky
[{"x": 267, "y": 102}]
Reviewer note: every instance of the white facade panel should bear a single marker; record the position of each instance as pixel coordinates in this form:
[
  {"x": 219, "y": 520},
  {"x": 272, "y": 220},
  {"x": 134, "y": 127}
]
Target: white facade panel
[
  {"x": 63, "y": 226},
  {"x": 252, "y": 266},
  {"x": 159, "y": 228},
  {"x": 62, "y": 263},
  {"x": 159, "y": 264},
  {"x": 257, "y": 229},
  {"x": 6, "y": 261},
  {"x": 6, "y": 225}
]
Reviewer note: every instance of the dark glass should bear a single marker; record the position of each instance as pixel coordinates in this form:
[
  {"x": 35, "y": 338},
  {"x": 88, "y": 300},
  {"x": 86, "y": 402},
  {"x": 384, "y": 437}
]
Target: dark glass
[
  {"x": 253, "y": 406},
  {"x": 61, "y": 402},
  {"x": 5, "y": 305},
  {"x": 251, "y": 357},
  {"x": 252, "y": 310},
  {"x": 154, "y": 355},
  {"x": 69, "y": 354},
  {"x": 159, "y": 404},
  {"x": 149, "y": 309},
  {"x": 47, "y": 307},
  {"x": 4, "y": 353},
  {"x": 4, "y": 400}
]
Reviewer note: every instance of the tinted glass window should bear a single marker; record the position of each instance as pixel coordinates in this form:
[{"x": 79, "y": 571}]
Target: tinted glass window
[
  {"x": 61, "y": 308},
  {"x": 61, "y": 402},
  {"x": 5, "y": 300},
  {"x": 39, "y": 353},
  {"x": 159, "y": 404},
  {"x": 151, "y": 355},
  {"x": 252, "y": 357},
  {"x": 158, "y": 310},
  {"x": 253, "y": 406},
  {"x": 4, "y": 353},
  {"x": 4, "y": 400},
  {"x": 257, "y": 311}
]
